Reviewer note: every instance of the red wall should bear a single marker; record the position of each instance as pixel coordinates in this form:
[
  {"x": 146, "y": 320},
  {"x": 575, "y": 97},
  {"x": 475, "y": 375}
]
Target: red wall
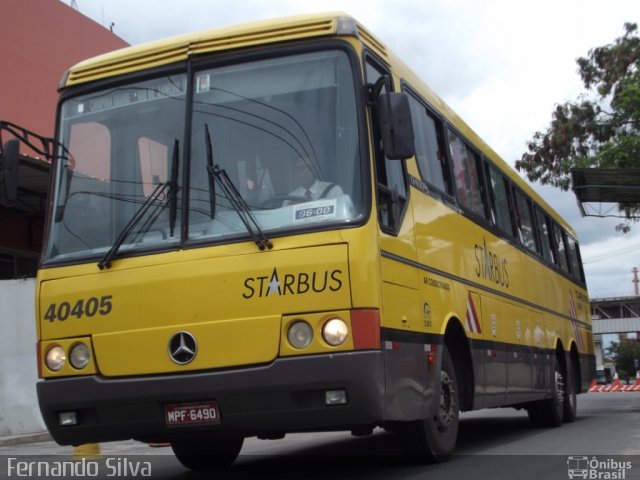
[{"x": 39, "y": 40}]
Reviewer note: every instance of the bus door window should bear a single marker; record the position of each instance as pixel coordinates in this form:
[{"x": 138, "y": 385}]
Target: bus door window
[
  {"x": 467, "y": 175},
  {"x": 390, "y": 174},
  {"x": 429, "y": 143}
]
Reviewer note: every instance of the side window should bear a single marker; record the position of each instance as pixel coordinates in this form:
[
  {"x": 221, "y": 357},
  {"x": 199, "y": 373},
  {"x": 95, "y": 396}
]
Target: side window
[
  {"x": 154, "y": 163},
  {"x": 545, "y": 236},
  {"x": 499, "y": 197},
  {"x": 468, "y": 184},
  {"x": 561, "y": 254},
  {"x": 430, "y": 153},
  {"x": 391, "y": 180},
  {"x": 574, "y": 259},
  {"x": 90, "y": 146},
  {"x": 525, "y": 221}
]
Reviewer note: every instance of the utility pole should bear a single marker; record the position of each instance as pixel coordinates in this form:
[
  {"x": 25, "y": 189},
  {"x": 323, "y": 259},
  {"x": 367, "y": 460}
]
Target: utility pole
[{"x": 635, "y": 282}]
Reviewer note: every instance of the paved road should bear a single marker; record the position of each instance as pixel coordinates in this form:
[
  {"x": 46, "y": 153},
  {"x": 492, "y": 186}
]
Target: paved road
[{"x": 493, "y": 444}]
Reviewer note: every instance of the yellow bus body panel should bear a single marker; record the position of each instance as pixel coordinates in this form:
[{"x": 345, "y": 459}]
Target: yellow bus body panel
[
  {"x": 232, "y": 304},
  {"x": 518, "y": 299}
]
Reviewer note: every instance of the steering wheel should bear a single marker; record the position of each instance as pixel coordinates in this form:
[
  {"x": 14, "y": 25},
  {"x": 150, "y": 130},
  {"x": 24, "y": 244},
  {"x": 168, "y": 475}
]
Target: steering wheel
[{"x": 278, "y": 200}]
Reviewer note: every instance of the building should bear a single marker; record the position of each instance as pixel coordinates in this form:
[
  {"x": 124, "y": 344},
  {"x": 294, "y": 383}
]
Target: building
[{"x": 39, "y": 40}]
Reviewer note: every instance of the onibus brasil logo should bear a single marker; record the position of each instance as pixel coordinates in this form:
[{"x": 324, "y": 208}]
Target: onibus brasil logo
[{"x": 597, "y": 469}]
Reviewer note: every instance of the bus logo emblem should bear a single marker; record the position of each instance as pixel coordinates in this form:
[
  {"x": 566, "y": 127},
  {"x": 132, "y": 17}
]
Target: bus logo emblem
[{"x": 182, "y": 348}]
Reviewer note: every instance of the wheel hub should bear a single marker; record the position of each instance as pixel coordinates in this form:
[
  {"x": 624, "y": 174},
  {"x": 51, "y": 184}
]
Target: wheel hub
[{"x": 447, "y": 411}]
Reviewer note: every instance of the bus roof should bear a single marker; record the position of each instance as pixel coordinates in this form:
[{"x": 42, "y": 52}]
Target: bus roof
[{"x": 174, "y": 49}]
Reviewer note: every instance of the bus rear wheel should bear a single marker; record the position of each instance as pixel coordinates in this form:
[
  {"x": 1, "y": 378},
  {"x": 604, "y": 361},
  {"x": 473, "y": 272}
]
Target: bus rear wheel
[
  {"x": 204, "y": 454},
  {"x": 570, "y": 400},
  {"x": 433, "y": 439}
]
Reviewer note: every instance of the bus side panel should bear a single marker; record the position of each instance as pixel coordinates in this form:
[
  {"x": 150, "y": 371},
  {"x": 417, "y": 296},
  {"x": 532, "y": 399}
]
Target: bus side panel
[
  {"x": 404, "y": 353},
  {"x": 587, "y": 367},
  {"x": 540, "y": 364},
  {"x": 519, "y": 354}
]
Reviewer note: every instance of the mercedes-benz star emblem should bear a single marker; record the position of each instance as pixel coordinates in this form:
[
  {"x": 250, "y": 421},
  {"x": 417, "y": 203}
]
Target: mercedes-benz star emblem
[{"x": 182, "y": 348}]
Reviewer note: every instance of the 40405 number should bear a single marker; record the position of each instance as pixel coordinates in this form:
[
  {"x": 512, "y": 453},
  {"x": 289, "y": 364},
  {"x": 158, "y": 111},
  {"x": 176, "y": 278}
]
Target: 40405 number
[{"x": 89, "y": 307}]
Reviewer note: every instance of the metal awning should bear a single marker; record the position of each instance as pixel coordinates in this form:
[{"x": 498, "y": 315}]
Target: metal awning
[{"x": 601, "y": 192}]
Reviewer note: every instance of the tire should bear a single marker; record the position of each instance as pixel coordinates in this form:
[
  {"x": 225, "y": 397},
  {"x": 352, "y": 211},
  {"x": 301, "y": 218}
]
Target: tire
[
  {"x": 550, "y": 411},
  {"x": 434, "y": 439},
  {"x": 570, "y": 398},
  {"x": 207, "y": 454}
]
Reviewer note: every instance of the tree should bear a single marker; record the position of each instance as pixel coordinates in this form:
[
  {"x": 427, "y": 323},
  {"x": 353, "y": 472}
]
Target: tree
[
  {"x": 602, "y": 127},
  {"x": 623, "y": 354}
]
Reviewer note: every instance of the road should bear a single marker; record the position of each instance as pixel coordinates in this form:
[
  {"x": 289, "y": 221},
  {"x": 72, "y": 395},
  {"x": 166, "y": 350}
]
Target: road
[{"x": 493, "y": 444}]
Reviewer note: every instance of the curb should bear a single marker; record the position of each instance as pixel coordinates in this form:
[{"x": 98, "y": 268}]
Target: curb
[{"x": 24, "y": 439}]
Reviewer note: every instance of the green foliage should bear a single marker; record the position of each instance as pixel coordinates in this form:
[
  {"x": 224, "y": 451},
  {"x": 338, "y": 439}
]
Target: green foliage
[
  {"x": 623, "y": 354},
  {"x": 600, "y": 129}
]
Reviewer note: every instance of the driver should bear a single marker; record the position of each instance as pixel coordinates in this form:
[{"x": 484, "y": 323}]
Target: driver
[{"x": 310, "y": 188}]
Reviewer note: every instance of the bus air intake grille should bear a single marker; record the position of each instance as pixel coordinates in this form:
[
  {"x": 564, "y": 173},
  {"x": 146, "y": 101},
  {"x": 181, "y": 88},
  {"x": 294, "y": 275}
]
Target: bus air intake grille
[
  {"x": 117, "y": 65},
  {"x": 276, "y": 34}
]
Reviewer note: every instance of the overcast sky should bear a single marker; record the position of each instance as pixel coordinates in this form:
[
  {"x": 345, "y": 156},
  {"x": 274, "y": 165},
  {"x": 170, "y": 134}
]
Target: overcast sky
[{"x": 502, "y": 65}]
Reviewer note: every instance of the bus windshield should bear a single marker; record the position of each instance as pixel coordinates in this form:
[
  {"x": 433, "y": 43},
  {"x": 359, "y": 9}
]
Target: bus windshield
[{"x": 283, "y": 131}]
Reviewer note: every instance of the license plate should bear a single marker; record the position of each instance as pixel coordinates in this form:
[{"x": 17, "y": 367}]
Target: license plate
[{"x": 191, "y": 414}]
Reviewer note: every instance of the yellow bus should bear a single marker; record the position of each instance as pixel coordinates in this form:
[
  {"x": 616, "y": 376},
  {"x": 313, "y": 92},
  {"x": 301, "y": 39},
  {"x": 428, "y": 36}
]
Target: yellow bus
[{"x": 278, "y": 227}]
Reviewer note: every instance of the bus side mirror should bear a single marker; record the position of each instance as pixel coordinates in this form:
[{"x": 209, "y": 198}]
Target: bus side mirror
[
  {"x": 396, "y": 126},
  {"x": 9, "y": 173}
]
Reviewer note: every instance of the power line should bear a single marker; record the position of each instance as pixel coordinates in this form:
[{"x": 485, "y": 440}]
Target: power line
[{"x": 616, "y": 253}]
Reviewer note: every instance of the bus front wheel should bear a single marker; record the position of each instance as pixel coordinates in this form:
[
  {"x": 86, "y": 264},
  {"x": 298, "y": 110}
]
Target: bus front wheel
[
  {"x": 207, "y": 454},
  {"x": 433, "y": 439}
]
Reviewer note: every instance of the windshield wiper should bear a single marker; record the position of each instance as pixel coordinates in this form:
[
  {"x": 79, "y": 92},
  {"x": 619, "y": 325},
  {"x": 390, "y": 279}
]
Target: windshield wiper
[
  {"x": 152, "y": 200},
  {"x": 170, "y": 191},
  {"x": 210, "y": 172},
  {"x": 232, "y": 194}
]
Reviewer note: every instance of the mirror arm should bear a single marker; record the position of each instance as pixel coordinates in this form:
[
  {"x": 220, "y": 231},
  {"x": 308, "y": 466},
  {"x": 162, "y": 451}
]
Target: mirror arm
[
  {"x": 375, "y": 89},
  {"x": 39, "y": 144}
]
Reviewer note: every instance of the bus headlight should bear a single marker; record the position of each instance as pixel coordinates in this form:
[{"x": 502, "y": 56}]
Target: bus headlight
[
  {"x": 335, "y": 332},
  {"x": 55, "y": 358},
  {"x": 79, "y": 356},
  {"x": 300, "y": 334}
]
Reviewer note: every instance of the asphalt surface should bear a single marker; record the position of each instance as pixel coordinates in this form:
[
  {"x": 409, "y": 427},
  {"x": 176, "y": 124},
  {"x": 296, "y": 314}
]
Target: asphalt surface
[{"x": 495, "y": 444}]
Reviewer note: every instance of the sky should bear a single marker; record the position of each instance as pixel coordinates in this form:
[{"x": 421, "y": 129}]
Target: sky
[{"x": 502, "y": 65}]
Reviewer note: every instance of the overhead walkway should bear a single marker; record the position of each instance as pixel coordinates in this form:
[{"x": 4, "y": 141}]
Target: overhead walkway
[{"x": 615, "y": 315}]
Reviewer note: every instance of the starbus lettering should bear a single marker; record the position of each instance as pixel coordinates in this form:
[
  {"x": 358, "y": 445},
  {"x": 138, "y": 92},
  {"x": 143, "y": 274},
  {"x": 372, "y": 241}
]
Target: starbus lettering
[
  {"x": 489, "y": 265},
  {"x": 299, "y": 283}
]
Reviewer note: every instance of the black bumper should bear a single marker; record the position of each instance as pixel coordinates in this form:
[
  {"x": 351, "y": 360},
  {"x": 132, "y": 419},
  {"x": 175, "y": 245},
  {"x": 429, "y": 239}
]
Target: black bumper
[{"x": 287, "y": 395}]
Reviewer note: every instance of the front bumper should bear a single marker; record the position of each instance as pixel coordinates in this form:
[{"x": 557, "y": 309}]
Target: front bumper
[{"x": 287, "y": 395}]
